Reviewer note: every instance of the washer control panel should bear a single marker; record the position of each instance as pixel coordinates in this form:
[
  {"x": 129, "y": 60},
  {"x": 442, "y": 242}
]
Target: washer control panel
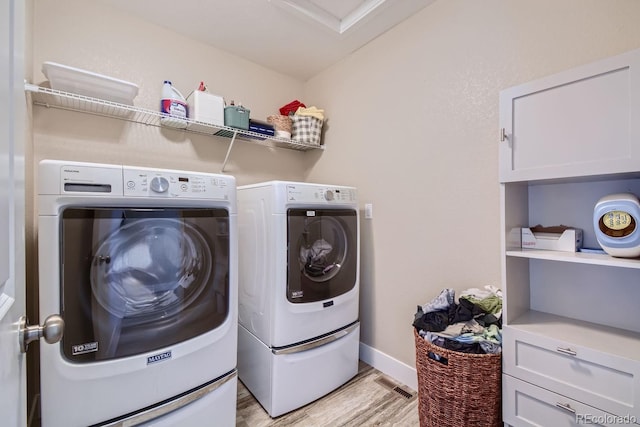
[
  {"x": 310, "y": 193},
  {"x": 166, "y": 183},
  {"x": 77, "y": 179}
]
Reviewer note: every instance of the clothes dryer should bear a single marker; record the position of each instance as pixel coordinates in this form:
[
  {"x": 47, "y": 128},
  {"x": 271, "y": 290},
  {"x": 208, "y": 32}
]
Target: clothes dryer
[
  {"x": 298, "y": 291},
  {"x": 142, "y": 266}
]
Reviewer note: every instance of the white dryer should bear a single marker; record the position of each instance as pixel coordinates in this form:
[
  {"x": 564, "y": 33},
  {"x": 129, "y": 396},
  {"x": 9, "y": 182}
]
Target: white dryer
[
  {"x": 299, "y": 268},
  {"x": 142, "y": 266}
]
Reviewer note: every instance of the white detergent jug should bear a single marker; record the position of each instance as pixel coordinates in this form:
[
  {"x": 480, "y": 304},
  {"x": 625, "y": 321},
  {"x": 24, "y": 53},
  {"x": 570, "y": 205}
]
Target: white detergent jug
[{"x": 173, "y": 107}]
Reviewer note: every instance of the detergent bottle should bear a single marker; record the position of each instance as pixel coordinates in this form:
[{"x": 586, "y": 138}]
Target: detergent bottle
[{"x": 173, "y": 107}]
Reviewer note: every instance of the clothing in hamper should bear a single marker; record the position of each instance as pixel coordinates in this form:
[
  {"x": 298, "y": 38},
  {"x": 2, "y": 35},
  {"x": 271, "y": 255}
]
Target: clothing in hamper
[
  {"x": 472, "y": 325},
  {"x": 442, "y": 302}
]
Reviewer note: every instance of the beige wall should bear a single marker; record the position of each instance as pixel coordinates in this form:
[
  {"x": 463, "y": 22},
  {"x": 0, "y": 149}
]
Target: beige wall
[
  {"x": 414, "y": 125},
  {"x": 92, "y": 36}
]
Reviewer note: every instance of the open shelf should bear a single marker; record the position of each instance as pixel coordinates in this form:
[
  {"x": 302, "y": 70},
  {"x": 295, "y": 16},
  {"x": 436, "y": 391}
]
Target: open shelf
[
  {"x": 575, "y": 257},
  {"x": 47, "y": 97}
]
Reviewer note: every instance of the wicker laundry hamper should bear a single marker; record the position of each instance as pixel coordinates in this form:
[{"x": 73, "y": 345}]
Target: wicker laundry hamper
[{"x": 466, "y": 391}]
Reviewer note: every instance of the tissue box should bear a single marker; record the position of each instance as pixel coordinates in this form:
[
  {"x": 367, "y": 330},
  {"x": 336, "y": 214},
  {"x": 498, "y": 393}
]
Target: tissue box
[
  {"x": 569, "y": 240},
  {"x": 207, "y": 108},
  {"x": 261, "y": 128}
]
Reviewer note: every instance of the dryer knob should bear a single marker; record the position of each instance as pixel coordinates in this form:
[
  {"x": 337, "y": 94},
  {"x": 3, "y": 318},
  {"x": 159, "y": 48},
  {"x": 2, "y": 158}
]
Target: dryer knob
[
  {"x": 328, "y": 195},
  {"x": 159, "y": 184}
]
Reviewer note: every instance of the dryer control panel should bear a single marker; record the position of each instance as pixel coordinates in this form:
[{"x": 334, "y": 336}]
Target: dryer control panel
[
  {"x": 167, "y": 183},
  {"x": 309, "y": 193}
]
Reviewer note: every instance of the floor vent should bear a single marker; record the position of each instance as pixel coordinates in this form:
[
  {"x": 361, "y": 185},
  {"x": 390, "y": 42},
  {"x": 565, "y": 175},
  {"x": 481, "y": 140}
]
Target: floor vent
[
  {"x": 404, "y": 393},
  {"x": 387, "y": 383}
]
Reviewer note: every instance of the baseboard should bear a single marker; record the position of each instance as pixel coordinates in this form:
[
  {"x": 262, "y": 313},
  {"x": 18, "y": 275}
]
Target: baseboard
[{"x": 386, "y": 364}]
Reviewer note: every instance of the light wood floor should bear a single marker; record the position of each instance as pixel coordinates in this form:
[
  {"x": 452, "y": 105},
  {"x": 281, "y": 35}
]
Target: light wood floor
[{"x": 369, "y": 399}]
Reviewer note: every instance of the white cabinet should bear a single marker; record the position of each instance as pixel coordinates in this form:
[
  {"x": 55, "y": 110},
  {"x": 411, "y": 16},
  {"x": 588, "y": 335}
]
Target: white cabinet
[
  {"x": 580, "y": 122},
  {"x": 571, "y": 323},
  {"x": 574, "y": 361}
]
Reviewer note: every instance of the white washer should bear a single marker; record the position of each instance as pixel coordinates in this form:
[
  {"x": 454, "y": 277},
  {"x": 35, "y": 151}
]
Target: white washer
[
  {"x": 142, "y": 266},
  {"x": 298, "y": 291}
]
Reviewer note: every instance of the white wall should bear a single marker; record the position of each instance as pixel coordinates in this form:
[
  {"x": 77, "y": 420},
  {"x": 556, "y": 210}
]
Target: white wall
[{"x": 413, "y": 123}]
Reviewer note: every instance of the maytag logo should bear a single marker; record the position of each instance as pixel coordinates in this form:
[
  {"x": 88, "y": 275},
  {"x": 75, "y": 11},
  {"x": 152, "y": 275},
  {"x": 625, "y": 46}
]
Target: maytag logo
[
  {"x": 159, "y": 357},
  {"x": 84, "y": 348}
]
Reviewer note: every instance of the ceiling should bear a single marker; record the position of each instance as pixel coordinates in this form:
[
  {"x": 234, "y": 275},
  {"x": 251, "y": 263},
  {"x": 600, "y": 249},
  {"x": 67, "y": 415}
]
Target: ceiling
[{"x": 298, "y": 38}]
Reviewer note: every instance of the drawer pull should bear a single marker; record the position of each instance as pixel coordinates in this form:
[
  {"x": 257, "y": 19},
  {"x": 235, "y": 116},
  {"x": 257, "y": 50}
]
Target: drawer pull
[
  {"x": 566, "y": 351},
  {"x": 566, "y": 407}
]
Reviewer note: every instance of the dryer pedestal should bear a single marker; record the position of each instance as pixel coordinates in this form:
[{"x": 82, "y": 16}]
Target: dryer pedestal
[
  {"x": 287, "y": 381},
  {"x": 219, "y": 405}
]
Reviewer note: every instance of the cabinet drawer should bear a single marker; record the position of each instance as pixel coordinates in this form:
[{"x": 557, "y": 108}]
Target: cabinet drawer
[
  {"x": 527, "y": 405},
  {"x": 603, "y": 380}
]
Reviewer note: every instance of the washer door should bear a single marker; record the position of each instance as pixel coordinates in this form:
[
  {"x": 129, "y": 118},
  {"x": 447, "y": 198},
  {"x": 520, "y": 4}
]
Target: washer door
[
  {"x": 139, "y": 280},
  {"x": 323, "y": 253}
]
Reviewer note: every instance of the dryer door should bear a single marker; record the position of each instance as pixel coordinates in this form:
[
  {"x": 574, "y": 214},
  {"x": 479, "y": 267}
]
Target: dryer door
[
  {"x": 322, "y": 254},
  {"x": 136, "y": 280}
]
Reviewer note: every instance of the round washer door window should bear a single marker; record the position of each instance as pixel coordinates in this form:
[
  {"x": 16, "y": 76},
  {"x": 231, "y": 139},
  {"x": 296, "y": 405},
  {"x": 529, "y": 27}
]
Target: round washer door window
[
  {"x": 150, "y": 265},
  {"x": 322, "y": 248}
]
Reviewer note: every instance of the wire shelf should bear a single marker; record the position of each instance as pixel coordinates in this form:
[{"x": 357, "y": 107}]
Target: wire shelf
[{"x": 70, "y": 101}]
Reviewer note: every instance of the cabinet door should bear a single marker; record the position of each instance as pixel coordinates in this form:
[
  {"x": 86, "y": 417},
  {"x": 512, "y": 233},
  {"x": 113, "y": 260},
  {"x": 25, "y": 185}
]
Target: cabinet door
[{"x": 579, "y": 122}]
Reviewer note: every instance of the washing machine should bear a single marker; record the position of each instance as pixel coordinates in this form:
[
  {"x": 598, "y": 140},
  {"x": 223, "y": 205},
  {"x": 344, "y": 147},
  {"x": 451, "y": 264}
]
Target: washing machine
[
  {"x": 298, "y": 333},
  {"x": 141, "y": 264}
]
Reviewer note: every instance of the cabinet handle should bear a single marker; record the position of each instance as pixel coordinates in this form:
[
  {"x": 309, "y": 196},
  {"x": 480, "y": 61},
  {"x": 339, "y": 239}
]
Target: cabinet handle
[
  {"x": 566, "y": 351},
  {"x": 503, "y": 135},
  {"x": 566, "y": 407}
]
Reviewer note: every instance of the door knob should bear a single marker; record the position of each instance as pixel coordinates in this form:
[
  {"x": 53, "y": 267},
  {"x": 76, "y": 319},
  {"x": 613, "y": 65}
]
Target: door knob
[{"x": 52, "y": 331}]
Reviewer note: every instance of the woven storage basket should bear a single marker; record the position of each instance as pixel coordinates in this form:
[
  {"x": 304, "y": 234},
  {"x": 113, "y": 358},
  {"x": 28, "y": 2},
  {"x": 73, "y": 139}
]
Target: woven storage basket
[
  {"x": 464, "y": 392},
  {"x": 283, "y": 123},
  {"x": 306, "y": 129}
]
